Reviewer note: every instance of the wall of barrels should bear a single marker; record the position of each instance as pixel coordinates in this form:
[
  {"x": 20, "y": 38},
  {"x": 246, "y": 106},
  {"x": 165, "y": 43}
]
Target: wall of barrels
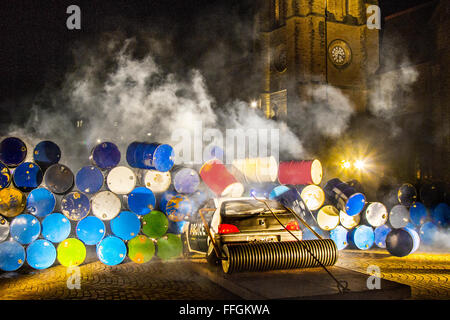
[{"x": 116, "y": 213}]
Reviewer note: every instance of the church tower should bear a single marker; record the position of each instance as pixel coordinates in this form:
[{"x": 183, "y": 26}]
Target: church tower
[{"x": 307, "y": 43}]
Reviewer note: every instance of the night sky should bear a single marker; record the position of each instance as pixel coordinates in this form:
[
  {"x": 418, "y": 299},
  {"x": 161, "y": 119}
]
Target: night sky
[{"x": 36, "y": 45}]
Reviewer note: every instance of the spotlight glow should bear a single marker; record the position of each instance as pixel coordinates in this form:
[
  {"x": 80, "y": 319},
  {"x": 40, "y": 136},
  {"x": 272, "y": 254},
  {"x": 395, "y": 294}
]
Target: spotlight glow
[
  {"x": 253, "y": 104},
  {"x": 359, "y": 164},
  {"x": 345, "y": 164}
]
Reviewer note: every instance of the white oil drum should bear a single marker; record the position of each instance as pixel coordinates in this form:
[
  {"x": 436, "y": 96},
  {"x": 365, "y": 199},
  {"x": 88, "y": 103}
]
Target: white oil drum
[
  {"x": 121, "y": 180},
  {"x": 105, "y": 205}
]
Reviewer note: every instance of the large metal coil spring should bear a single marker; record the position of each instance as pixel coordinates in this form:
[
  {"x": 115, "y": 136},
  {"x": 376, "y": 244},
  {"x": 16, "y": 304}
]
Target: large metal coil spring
[{"x": 262, "y": 256}]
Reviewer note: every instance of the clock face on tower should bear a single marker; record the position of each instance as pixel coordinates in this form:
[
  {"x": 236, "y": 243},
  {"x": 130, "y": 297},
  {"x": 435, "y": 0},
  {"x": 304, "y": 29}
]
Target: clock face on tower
[{"x": 339, "y": 53}]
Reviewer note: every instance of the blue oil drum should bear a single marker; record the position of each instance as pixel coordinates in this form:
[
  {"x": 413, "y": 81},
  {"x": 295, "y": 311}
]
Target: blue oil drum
[
  {"x": 178, "y": 207},
  {"x": 418, "y": 213},
  {"x": 278, "y": 191},
  {"x": 75, "y": 206},
  {"x": 198, "y": 198},
  {"x": 186, "y": 180},
  {"x": 361, "y": 237},
  {"x": 13, "y": 151},
  {"x": 41, "y": 254},
  {"x": 165, "y": 197},
  {"x": 27, "y": 176},
  {"x": 59, "y": 179},
  {"x": 440, "y": 215},
  {"x": 90, "y": 230},
  {"x": 402, "y": 242},
  {"x": 56, "y": 227},
  {"x": 126, "y": 225},
  {"x": 105, "y": 155},
  {"x": 261, "y": 190},
  {"x": 46, "y": 153},
  {"x": 176, "y": 227},
  {"x": 141, "y": 201},
  {"x": 5, "y": 176},
  {"x": 4, "y": 229},
  {"x": 89, "y": 179},
  {"x": 25, "y": 228},
  {"x": 40, "y": 202},
  {"x": 344, "y": 197},
  {"x": 339, "y": 236},
  {"x": 407, "y": 194},
  {"x": 381, "y": 233},
  {"x": 154, "y": 156},
  {"x": 111, "y": 251},
  {"x": 428, "y": 233},
  {"x": 12, "y": 255}
]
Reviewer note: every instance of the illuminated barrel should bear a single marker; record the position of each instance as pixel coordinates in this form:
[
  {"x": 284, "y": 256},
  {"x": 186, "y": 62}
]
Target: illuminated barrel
[
  {"x": 344, "y": 197},
  {"x": 111, "y": 251},
  {"x": 300, "y": 172},
  {"x": 186, "y": 180},
  {"x": 178, "y": 207},
  {"x": 4, "y": 229},
  {"x": 13, "y": 151},
  {"x": 375, "y": 214},
  {"x": 12, "y": 202},
  {"x": 40, "y": 202},
  {"x": 41, "y": 254},
  {"x": 141, "y": 201},
  {"x": 440, "y": 214},
  {"x": 155, "y": 224},
  {"x": 361, "y": 237},
  {"x": 5, "y": 176},
  {"x": 12, "y": 255},
  {"x": 262, "y": 256},
  {"x": 46, "y": 153},
  {"x": 25, "y": 228},
  {"x": 328, "y": 218},
  {"x": 58, "y": 178},
  {"x": 418, "y": 213},
  {"x": 429, "y": 233},
  {"x": 89, "y": 179},
  {"x": 220, "y": 180},
  {"x": 71, "y": 252},
  {"x": 313, "y": 196},
  {"x": 141, "y": 249},
  {"x": 27, "y": 176},
  {"x": 156, "y": 181},
  {"x": 165, "y": 197},
  {"x": 90, "y": 230},
  {"x": 126, "y": 225},
  {"x": 153, "y": 156},
  {"x": 402, "y": 242},
  {"x": 75, "y": 206},
  {"x": 339, "y": 236},
  {"x": 349, "y": 222},
  {"x": 56, "y": 227},
  {"x": 256, "y": 170},
  {"x": 105, "y": 205},
  {"x": 105, "y": 155},
  {"x": 169, "y": 247},
  {"x": 121, "y": 180},
  {"x": 407, "y": 194},
  {"x": 399, "y": 216},
  {"x": 381, "y": 233}
]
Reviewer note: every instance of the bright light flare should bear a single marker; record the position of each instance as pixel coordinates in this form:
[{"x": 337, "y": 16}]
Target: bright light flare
[
  {"x": 254, "y": 104},
  {"x": 345, "y": 164},
  {"x": 359, "y": 164}
]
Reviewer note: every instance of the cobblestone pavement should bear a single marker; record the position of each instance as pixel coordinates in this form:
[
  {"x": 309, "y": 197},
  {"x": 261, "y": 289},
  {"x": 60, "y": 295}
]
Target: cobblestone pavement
[
  {"x": 428, "y": 274},
  {"x": 155, "y": 280}
]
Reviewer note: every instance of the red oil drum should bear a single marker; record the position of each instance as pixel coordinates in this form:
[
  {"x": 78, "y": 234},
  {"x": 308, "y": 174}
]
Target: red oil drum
[
  {"x": 220, "y": 180},
  {"x": 300, "y": 172}
]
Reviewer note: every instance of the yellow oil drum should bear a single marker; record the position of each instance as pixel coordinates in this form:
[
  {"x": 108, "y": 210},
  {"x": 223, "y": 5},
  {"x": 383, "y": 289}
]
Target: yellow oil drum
[
  {"x": 259, "y": 170},
  {"x": 12, "y": 202}
]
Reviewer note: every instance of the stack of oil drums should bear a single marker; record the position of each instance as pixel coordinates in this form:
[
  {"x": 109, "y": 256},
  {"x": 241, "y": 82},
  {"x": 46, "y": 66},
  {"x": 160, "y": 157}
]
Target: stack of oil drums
[{"x": 50, "y": 214}]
